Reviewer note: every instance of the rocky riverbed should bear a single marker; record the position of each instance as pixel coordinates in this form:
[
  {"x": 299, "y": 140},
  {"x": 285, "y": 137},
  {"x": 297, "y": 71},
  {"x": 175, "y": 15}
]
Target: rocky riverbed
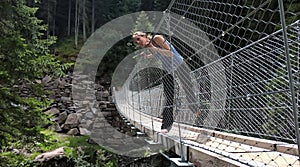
[{"x": 80, "y": 117}]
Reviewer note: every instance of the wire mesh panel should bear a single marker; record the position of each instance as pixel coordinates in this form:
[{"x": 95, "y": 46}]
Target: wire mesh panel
[
  {"x": 236, "y": 76},
  {"x": 252, "y": 70}
]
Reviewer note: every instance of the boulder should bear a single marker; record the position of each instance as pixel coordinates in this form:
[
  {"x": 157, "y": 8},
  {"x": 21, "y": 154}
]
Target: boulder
[
  {"x": 71, "y": 122},
  {"x": 52, "y": 111},
  {"x": 55, "y": 154}
]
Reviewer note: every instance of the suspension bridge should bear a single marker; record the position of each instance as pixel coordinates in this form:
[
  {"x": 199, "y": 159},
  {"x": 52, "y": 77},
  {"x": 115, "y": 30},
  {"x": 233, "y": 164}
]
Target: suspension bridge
[
  {"x": 243, "y": 58},
  {"x": 236, "y": 103}
]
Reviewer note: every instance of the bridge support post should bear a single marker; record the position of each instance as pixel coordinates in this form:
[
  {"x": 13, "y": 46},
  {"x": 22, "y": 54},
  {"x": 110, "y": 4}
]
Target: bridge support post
[
  {"x": 290, "y": 76},
  {"x": 176, "y": 162}
]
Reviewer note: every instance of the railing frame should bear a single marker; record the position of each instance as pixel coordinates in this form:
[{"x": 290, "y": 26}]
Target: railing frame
[{"x": 289, "y": 68}]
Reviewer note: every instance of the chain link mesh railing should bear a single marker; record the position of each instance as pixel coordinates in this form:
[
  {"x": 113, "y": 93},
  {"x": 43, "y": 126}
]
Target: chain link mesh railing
[{"x": 239, "y": 79}]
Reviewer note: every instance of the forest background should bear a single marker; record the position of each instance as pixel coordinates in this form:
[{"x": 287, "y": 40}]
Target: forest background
[{"x": 43, "y": 37}]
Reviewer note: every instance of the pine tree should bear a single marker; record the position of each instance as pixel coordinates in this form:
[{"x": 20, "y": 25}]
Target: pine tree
[
  {"x": 24, "y": 57},
  {"x": 143, "y": 23}
]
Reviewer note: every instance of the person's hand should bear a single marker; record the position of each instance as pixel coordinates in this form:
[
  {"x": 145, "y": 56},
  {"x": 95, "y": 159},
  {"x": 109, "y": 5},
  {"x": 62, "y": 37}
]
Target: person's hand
[
  {"x": 139, "y": 55},
  {"x": 147, "y": 56}
]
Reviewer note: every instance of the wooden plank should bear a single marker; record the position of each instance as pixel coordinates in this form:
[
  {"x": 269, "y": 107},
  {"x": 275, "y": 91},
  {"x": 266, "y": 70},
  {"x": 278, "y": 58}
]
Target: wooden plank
[{"x": 225, "y": 149}]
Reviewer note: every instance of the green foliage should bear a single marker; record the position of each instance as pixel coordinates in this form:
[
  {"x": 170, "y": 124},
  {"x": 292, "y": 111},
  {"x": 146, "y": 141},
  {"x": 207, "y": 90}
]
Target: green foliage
[
  {"x": 113, "y": 57},
  {"x": 280, "y": 114},
  {"x": 84, "y": 154},
  {"x": 25, "y": 57},
  {"x": 293, "y": 12},
  {"x": 9, "y": 159},
  {"x": 78, "y": 151},
  {"x": 161, "y": 5},
  {"x": 143, "y": 23},
  {"x": 66, "y": 50}
]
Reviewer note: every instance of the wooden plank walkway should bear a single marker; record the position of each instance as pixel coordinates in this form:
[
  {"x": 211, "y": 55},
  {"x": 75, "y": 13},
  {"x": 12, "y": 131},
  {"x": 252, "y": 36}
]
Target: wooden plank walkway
[{"x": 213, "y": 148}]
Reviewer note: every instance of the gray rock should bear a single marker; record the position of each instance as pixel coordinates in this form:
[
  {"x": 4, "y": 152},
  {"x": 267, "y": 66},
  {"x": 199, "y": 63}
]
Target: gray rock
[
  {"x": 46, "y": 80},
  {"x": 71, "y": 122},
  {"x": 65, "y": 99},
  {"x": 55, "y": 127},
  {"x": 62, "y": 117},
  {"x": 89, "y": 115},
  {"x": 84, "y": 131},
  {"x": 73, "y": 131},
  {"x": 104, "y": 94},
  {"x": 52, "y": 111},
  {"x": 55, "y": 154}
]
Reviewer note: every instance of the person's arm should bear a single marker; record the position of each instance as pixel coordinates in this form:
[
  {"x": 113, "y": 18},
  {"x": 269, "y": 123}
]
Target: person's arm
[
  {"x": 144, "y": 54},
  {"x": 165, "y": 48},
  {"x": 160, "y": 40}
]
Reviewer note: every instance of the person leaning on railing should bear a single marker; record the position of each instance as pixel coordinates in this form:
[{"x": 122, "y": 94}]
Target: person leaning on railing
[{"x": 172, "y": 63}]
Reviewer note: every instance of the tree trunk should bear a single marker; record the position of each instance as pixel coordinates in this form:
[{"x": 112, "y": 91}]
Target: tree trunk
[
  {"x": 69, "y": 17},
  {"x": 83, "y": 20},
  {"x": 54, "y": 18},
  {"x": 93, "y": 16},
  {"x": 76, "y": 23},
  {"x": 48, "y": 19}
]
